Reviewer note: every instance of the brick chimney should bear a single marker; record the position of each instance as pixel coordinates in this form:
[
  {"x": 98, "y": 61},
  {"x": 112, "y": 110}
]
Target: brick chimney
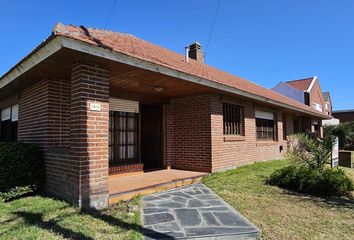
[{"x": 196, "y": 52}]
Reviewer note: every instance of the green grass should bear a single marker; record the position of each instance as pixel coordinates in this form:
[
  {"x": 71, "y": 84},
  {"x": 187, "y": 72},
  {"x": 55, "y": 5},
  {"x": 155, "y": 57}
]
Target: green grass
[
  {"x": 281, "y": 214},
  {"x": 42, "y": 217},
  {"x": 278, "y": 213}
]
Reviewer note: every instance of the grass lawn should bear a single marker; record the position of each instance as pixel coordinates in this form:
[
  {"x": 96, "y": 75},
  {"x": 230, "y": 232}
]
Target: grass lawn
[
  {"x": 46, "y": 218},
  {"x": 278, "y": 213},
  {"x": 281, "y": 214}
]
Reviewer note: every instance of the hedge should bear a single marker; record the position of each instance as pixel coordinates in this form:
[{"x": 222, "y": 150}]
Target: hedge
[
  {"x": 21, "y": 168},
  {"x": 329, "y": 182}
]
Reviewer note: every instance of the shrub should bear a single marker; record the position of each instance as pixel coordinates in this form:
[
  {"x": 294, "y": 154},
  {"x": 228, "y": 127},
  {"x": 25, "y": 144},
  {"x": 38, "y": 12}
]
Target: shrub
[
  {"x": 21, "y": 167},
  {"x": 310, "y": 151},
  {"x": 329, "y": 182}
]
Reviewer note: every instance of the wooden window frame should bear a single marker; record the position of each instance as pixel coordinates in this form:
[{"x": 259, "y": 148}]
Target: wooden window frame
[
  {"x": 267, "y": 131},
  {"x": 114, "y": 143},
  {"x": 233, "y": 119}
]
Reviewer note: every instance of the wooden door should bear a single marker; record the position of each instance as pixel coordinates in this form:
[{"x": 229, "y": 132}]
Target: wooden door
[{"x": 151, "y": 136}]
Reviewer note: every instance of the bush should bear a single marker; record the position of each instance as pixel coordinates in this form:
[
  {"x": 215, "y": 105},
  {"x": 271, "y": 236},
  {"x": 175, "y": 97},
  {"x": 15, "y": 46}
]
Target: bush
[
  {"x": 329, "y": 182},
  {"x": 21, "y": 168}
]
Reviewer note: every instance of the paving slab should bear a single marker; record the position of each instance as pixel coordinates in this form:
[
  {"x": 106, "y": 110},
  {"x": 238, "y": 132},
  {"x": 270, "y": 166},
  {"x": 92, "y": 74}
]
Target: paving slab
[{"x": 193, "y": 212}]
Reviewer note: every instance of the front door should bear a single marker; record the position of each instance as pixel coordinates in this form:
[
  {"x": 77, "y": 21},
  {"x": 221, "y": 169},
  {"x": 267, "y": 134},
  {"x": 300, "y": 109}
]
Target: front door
[{"x": 151, "y": 136}]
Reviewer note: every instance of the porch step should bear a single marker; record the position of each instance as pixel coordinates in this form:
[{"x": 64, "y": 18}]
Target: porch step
[{"x": 153, "y": 188}]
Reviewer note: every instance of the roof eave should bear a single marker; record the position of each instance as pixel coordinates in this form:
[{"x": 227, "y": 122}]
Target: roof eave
[
  {"x": 58, "y": 42},
  {"x": 39, "y": 54}
]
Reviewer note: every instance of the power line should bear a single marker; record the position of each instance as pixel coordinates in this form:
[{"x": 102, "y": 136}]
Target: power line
[
  {"x": 212, "y": 27},
  {"x": 110, "y": 13}
]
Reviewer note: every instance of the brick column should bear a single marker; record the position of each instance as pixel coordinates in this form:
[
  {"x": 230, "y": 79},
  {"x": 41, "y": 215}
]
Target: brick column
[{"x": 89, "y": 132}]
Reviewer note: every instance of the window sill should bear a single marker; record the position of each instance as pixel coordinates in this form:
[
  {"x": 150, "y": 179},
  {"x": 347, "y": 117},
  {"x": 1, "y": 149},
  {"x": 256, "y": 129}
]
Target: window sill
[{"x": 236, "y": 138}]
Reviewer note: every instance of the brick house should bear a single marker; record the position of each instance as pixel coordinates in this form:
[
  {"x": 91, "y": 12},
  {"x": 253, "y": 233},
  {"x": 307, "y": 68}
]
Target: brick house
[
  {"x": 344, "y": 115},
  {"x": 100, "y": 103},
  {"x": 328, "y": 103},
  {"x": 307, "y": 91}
]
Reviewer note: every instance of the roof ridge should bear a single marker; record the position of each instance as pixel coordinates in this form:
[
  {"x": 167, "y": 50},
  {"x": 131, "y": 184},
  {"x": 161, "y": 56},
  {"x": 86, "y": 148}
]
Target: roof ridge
[{"x": 303, "y": 79}]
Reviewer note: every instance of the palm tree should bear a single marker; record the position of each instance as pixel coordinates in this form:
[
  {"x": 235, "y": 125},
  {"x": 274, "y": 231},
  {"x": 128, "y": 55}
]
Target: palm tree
[{"x": 313, "y": 151}]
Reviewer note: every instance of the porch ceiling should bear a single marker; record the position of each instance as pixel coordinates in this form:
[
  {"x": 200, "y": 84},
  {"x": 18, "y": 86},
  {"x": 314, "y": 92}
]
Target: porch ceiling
[
  {"x": 139, "y": 81},
  {"x": 125, "y": 80}
]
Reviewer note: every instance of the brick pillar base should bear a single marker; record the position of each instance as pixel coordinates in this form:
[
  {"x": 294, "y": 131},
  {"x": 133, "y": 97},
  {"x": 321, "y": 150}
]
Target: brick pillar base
[{"x": 89, "y": 132}]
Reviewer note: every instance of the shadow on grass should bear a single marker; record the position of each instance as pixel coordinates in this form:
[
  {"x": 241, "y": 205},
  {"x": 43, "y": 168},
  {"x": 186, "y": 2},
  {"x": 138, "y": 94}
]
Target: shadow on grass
[
  {"x": 128, "y": 226},
  {"x": 330, "y": 201},
  {"x": 334, "y": 202},
  {"x": 52, "y": 225},
  {"x": 37, "y": 219}
]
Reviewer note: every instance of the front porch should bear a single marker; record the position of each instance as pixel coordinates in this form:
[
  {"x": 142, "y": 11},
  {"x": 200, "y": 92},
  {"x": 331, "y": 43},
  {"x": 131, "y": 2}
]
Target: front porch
[{"x": 123, "y": 187}]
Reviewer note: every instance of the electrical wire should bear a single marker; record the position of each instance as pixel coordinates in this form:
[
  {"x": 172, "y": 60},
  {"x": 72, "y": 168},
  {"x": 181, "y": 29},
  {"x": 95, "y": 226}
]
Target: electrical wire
[
  {"x": 110, "y": 14},
  {"x": 212, "y": 28}
]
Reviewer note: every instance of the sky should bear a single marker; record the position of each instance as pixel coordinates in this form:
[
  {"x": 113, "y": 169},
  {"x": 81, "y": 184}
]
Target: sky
[{"x": 263, "y": 41}]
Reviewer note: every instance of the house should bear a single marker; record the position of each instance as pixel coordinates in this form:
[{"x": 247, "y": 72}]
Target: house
[
  {"x": 100, "y": 103},
  {"x": 307, "y": 91},
  {"x": 344, "y": 115},
  {"x": 328, "y": 103}
]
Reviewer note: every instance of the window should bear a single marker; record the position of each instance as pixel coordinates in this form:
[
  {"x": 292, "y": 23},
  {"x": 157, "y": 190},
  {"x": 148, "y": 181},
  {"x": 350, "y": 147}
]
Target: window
[
  {"x": 318, "y": 107},
  {"x": 316, "y": 129},
  {"x": 232, "y": 119},
  {"x": 123, "y": 137},
  {"x": 265, "y": 126},
  {"x": 8, "y": 126}
]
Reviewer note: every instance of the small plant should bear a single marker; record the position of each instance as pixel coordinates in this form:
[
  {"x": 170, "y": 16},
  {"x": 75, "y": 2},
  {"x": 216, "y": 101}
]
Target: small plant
[{"x": 310, "y": 150}]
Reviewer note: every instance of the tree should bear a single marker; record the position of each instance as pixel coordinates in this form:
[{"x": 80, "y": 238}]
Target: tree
[{"x": 344, "y": 132}]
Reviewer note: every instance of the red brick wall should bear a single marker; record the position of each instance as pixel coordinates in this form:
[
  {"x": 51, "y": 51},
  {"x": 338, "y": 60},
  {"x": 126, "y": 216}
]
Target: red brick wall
[
  {"x": 89, "y": 132},
  {"x": 229, "y": 152},
  {"x": 344, "y": 116},
  {"x": 33, "y": 114},
  {"x": 194, "y": 124},
  {"x": 316, "y": 96},
  {"x": 55, "y": 114},
  {"x": 44, "y": 119},
  {"x": 59, "y": 113},
  {"x": 62, "y": 171},
  {"x": 187, "y": 133}
]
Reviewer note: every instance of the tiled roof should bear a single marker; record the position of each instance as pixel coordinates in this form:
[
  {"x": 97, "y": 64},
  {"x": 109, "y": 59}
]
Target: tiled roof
[
  {"x": 132, "y": 46},
  {"x": 301, "y": 84},
  {"x": 326, "y": 96}
]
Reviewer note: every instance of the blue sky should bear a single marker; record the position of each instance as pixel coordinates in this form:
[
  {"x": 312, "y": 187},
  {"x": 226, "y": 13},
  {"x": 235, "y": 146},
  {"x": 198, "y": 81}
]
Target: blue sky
[{"x": 263, "y": 41}]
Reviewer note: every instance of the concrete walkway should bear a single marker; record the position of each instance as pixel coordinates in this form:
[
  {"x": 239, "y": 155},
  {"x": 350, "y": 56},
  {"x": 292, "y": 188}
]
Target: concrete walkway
[{"x": 193, "y": 212}]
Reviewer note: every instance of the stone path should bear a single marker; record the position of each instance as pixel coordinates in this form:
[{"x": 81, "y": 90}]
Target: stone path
[{"x": 193, "y": 212}]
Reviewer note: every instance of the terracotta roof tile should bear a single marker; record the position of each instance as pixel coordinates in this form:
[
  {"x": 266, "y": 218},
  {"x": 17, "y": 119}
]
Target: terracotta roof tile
[
  {"x": 301, "y": 84},
  {"x": 141, "y": 49}
]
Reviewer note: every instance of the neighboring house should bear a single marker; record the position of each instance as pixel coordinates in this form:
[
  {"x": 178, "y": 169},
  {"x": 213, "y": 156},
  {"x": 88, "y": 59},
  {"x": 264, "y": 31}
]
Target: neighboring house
[
  {"x": 100, "y": 103},
  {"x": 344, "y": 115},
  {"x": 310, "y": 89},
  {"x": 328, "y": 103},
  {"x": 307, "y": 91}
]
